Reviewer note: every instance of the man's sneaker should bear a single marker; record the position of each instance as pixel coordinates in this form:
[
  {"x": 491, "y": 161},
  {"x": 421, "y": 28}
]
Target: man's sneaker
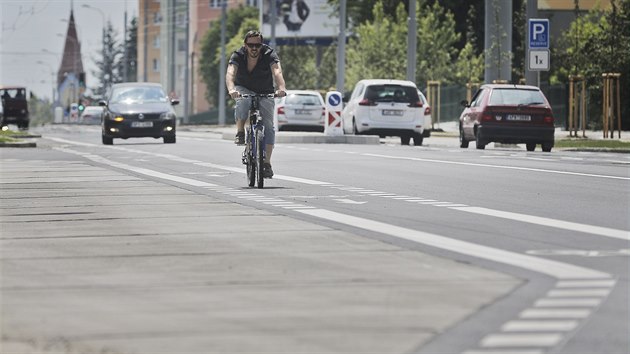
[
  {"x": 267, "y": 171},
  {"x": 240, "y": 138}
]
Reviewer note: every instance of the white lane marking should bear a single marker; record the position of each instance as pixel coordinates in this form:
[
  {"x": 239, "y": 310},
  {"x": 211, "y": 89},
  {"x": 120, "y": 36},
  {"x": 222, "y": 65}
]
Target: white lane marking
[
  {"x": 348, "y": 201},
  {"x": 521, "y": 340},
  {"x": 139, "y": 170},
  {"x": 539, "y": 326},
  {"x": 586, "y": 284},
  {"x": 541, "y": 313},
  {"x": 623, "y": 234},
  {"x": 586, "y": 302},
  {"x": 503, "y": 352},
  {"x": 579, "y": 293},
  {"x": 552, "y": 268},
  {"x": 566, "y": 225},
  {"x": 497, "y": 166}
]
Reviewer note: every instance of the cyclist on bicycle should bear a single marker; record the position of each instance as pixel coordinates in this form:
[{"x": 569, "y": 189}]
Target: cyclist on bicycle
[{"x": 252, "y": 70}]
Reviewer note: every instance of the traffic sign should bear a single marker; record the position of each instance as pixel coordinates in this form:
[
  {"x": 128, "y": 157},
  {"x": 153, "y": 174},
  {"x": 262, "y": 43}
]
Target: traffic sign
[
  {"x": 539, "y": 60},
  {"x": 538, "y": 33}
]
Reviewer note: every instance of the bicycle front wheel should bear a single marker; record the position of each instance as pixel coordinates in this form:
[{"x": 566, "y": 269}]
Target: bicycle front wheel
[
  {"x": 251, "y": 166},
  {"x": 260, "y": 157}
]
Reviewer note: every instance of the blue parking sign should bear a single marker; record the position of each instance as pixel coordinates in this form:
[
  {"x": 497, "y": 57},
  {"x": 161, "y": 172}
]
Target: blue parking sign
[{"x": 538, "y": 33}]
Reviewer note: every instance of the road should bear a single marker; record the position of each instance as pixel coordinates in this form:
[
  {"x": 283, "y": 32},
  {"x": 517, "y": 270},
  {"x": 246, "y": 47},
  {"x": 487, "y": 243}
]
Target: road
[{"x": 146, "y": 247}]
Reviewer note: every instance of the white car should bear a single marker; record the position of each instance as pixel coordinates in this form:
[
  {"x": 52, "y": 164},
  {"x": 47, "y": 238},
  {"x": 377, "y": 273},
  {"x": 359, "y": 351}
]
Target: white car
[
  {"x": 428, "y": 120},
  {"x": 385, "y": 108},
  {"x": 300, "y": 110}
]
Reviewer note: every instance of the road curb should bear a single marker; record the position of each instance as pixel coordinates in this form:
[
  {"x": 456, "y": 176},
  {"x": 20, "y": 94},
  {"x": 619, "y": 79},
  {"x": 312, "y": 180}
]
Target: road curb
[{"x": 18, "y": 144}]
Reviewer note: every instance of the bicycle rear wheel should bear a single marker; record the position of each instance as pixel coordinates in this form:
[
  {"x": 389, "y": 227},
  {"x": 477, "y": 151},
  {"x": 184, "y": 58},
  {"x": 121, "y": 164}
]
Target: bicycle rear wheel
[
  {"x": 260, "y": 157},
  {"x": 251, "y": 166}
]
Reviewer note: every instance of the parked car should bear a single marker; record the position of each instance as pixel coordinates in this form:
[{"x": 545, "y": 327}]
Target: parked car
[
  {"x": 511, "y": 114},
  {"x": 92, "y": 115},
  {"x": 428, "y": 119},
  {"x": 15, "y": 107},
  {"x": 137, "y": 109},
  {"x": 385, "y": 108},
  {"x": 300, "y": 110}
]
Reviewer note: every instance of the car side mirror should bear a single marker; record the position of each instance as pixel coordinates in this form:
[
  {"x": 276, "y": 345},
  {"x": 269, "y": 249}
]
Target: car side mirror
[
  {"x": 464, "y": 104},
  {"x": 102, "y": 103},
  {"x": 174, "y": 102}
]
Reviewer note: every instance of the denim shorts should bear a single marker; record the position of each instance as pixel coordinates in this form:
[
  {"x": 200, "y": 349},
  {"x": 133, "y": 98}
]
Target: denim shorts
[{"x": 266, "y": 107}]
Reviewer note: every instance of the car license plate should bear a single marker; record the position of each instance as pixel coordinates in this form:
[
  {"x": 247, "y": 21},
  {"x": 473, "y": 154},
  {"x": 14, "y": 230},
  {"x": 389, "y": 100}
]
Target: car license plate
[
  {"x": 302, "y": 111},
  {"x": 392, "y": 112},
  {"x": 141, "y": 124},
  {"x": 518, "y": 117}
]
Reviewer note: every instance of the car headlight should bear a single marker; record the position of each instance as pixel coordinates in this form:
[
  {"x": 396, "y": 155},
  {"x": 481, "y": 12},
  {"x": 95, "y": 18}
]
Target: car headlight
[
  {"x": 117, "y": 117},
  {"x": 168, "y": 116}
]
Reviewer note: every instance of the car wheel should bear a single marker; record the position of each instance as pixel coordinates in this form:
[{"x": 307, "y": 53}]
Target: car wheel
[
  {"x": 417, "y": 139},
  {"x": 107, "y": 140},
  {"x": 546, "y": 147},
  {"x": 530, "y": 146},
  {"x": 480, "y": 143},
  {"x": 404, "y": 140},
  {"x": 463, "y": 142},
  {"x": 169, "y": 139}
]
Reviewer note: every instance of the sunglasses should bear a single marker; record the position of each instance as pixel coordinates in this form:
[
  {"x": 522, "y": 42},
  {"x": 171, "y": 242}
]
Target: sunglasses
[{"x": 254, "y": 45}]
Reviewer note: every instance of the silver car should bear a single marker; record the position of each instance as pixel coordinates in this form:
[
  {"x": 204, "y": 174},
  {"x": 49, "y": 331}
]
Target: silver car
[{"x": 300, "y": 110}]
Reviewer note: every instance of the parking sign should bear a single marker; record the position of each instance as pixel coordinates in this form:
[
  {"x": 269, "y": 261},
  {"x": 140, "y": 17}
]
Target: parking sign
[{"x": 538, "y": 33}]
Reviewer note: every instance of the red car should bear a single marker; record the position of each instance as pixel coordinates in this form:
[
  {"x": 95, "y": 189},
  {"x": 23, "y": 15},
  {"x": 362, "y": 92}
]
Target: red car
[{"x": 510, "y": 114}]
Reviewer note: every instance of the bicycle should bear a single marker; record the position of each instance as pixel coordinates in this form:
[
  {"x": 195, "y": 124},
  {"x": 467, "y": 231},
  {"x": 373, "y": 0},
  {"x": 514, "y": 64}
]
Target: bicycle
[{"x": 254, "y": 154}]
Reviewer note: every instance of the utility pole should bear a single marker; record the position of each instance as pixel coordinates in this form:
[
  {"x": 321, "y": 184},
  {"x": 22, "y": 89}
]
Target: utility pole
[
  {"x": 411, "y": 42},
  {"x": 186, "y": 67},
  {"x": 272, "y": 42},
  {"x": 341, "y": 47},
  {"x": 222, "y": 66},
  {"x": 125, "y": 56},
  {"x": 531, "y": 77}
]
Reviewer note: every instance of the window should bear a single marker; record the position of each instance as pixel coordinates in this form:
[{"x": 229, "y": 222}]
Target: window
[
  {"x": 215, "y": 4},
  {"x": 156, "y": 66},
  {"x": 156, "y": 41},
  {"x": 181, "y": 45},
  {"x": 157, "y": 17}
]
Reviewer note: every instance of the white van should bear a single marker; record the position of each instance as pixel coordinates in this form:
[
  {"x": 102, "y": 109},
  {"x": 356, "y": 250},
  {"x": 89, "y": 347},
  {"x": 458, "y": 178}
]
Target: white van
[{"x": 385, "y": 108}]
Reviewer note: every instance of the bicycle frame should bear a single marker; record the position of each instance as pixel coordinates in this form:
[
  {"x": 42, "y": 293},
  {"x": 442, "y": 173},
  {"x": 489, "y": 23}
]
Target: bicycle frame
[{"x": 254, "y": 154}]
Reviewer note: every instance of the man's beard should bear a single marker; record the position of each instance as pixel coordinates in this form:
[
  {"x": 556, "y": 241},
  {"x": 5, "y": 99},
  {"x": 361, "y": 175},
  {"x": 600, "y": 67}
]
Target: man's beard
[{"x": 253, "y": 55}]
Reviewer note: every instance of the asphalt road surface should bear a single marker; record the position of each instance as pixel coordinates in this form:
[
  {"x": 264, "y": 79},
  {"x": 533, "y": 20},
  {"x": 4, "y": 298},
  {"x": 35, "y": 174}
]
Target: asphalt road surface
[{"x": 145, "y": 247}]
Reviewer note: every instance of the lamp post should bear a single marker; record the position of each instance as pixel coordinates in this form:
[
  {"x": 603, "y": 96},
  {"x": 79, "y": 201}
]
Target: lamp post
[{"x": 103, "y": 18}]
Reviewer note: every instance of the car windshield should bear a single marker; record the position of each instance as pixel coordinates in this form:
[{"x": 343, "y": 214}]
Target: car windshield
[
  {"x": 305, "y": 99},
  {"x": 510, "y": 96},
  {"x": 138, "y": 95},
  {"x": 392, "y": 93}
]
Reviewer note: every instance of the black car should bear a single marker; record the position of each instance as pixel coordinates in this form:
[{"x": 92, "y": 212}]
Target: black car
[
  {"x": 138, "y": 109},
  {"x": 15, "y": 107}
]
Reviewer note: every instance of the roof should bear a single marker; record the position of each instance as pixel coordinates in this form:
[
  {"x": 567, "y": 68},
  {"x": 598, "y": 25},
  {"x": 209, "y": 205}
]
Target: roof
[
  {"x": 511, "y": 86},
  {"x": 136, "y": 84},
  {"x": 585, "y": 5},
  {"x": 387, "y": 81}
]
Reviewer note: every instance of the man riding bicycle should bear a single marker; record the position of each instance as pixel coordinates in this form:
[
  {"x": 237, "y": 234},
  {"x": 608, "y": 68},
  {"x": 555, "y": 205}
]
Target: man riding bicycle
[{"x": 252, "y": 70}]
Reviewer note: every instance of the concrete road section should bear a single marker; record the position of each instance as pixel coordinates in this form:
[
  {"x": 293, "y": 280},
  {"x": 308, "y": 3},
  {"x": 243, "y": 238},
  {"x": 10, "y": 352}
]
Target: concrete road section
[{"x": 95, "y": 260}]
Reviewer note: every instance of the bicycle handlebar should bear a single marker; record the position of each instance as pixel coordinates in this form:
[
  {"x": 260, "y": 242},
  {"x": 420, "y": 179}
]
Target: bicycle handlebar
[{"x": 262, "y": 95}]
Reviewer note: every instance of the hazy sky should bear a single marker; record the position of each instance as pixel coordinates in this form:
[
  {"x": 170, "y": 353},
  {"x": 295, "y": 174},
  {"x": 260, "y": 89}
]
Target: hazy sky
[{"x": 30, "y": 33}]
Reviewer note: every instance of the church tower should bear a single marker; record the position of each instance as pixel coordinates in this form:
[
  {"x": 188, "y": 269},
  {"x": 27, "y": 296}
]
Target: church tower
[{"x": 71, "y": 77}]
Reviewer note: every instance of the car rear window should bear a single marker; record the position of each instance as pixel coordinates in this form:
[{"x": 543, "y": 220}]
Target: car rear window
[
  {"x": 392, "y": 93},
  {"x": 510, "y": 96},
  {"x": 305, "y": 99}
]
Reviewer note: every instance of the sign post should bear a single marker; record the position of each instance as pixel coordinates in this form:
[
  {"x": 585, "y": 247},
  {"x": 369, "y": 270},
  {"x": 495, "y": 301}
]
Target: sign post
[
  {"x": 334, "y": 106},
  {"x": 538, "y": 49}
]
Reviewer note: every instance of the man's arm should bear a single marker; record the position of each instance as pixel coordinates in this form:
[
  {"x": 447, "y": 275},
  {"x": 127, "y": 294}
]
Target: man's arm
[
  {"x": 277, "y": 75},
  {"x": 229, "y": 81}
]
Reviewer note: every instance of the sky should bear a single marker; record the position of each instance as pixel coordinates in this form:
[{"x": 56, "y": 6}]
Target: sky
[{"x": 30, "y": 44}]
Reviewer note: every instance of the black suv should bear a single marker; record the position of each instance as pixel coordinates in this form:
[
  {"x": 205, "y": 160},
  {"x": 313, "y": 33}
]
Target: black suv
[{"x": 15, "y": 106}]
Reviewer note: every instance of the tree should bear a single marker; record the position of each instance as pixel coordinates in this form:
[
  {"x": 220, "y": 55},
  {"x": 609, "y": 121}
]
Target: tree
[
  {"x": 131, "y": 46},
  {"x": 107, "y": 71},
  {"x": 436, "y": 44},
  {"x": 209, "y": 60},
  {"x": 379, "y": 49},
  {"x": 470, "y": 64}
]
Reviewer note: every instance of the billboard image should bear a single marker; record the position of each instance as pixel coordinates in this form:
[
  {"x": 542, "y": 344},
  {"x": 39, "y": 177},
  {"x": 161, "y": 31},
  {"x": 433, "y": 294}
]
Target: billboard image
[{"x": 300, "y": 18}]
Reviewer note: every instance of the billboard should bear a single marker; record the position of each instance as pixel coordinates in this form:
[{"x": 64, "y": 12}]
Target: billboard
[{"x": 302, "y": 19}]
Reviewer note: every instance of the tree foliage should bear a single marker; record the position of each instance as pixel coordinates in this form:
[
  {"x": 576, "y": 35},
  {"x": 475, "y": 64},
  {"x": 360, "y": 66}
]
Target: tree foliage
[
  {"x": 108, "y": 66},
  {"x": 211, "y": 47}
]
